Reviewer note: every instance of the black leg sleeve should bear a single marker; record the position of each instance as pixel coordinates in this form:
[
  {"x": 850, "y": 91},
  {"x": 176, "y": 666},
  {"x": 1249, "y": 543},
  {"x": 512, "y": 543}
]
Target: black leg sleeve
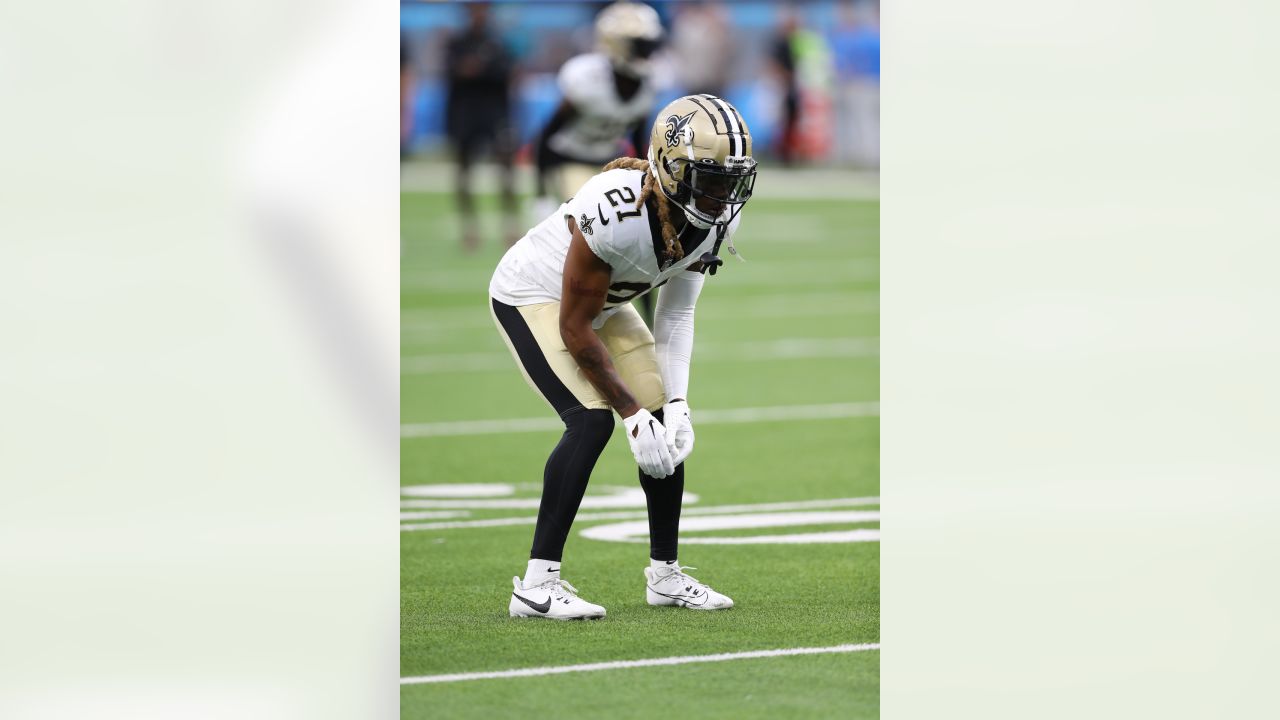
[
  {"x": 663, "y": 496},
  {"x": 564, "y": 480}
]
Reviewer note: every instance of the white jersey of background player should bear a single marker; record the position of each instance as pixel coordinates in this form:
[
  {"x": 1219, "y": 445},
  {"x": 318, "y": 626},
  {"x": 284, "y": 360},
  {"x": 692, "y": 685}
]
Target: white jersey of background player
[
  {"x": 602, "y": 118},
  {"x": 607, "y": 99}
]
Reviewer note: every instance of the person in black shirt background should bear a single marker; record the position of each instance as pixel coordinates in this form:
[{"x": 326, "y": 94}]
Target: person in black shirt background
[
  {"x": 478, "y": 114},
  {"x": 784, "y": 62}
]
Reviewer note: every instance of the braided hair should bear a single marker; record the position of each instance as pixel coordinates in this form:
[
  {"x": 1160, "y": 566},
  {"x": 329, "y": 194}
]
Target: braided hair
[{"x": 674, "y": 251}]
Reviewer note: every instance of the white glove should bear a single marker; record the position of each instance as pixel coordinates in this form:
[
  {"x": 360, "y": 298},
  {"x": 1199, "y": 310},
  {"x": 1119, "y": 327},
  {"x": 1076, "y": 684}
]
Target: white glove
[
  {"x": 649, "y": 444},
  {"x": 679, "y": 426}
]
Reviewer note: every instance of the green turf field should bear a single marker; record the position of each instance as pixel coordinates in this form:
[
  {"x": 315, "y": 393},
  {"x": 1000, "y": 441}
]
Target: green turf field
[{"x": 796, "y": 326}]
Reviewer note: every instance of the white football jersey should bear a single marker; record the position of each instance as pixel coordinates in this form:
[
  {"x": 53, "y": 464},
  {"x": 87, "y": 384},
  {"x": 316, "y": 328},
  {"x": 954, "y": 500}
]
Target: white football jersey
[
  {"x": 603, "y": 118},
  {"x": 629, "y": 240}
]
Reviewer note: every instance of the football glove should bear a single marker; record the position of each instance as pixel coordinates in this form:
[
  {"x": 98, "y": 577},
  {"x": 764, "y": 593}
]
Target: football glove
[
  {"x": 649, "y": 444},
  {"x": 679, "y": 427}
]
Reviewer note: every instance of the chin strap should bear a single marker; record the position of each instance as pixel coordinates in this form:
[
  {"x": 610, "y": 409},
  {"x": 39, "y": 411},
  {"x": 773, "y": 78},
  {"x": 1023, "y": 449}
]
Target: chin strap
[
  {"x": 734, "y": 251},
  {"x": 710, "y": 260}
]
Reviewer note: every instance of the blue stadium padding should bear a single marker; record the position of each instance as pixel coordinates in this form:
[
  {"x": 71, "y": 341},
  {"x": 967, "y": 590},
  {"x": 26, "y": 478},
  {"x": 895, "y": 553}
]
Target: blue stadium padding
[
  {"x": 428, "y": 16},
  {"x": 753, "y": 14},
  {"x": 536, "y": 100},
  {"x": 747, "y": 97},
  {"x": 819, "y": 16},
  {"x": 428, "y": 112},
  {"x": 535, "y": 16}
]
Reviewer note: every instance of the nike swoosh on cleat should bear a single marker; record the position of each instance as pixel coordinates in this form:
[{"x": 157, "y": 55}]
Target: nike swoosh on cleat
[
  {"x": 553, "y": 569},
  {"x": 540, "y": 607},
  {"x": 686, "y": 599}
]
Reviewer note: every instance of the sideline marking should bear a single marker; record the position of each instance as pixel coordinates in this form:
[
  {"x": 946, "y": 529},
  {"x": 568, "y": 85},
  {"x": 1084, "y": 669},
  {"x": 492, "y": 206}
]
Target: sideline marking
[
  {"x": 621, "y": 664},
  {"x": 701, "y": 417}
]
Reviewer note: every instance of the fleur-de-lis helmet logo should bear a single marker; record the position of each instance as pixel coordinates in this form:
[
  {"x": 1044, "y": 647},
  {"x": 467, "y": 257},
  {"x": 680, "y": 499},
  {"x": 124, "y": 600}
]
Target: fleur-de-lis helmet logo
[{"x": 678, "y": 128}]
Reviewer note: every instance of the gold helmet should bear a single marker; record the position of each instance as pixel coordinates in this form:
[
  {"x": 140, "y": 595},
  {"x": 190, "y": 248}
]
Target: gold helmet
[
  {"x": 700, "y": 149},
  {"x": 628, "y": 33}
]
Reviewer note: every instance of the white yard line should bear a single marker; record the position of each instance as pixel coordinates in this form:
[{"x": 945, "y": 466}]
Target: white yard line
[
  {"x": 754, "y": 351},
  {"x": 788, "y": 273},
  {"x": 637, "y": 514},
  {"x": 418, "y": 321},
  {"x": 779, "y": 413},
  {"x": 621, "y": 498},
  {"x": 626, "y": 664},
  {"x": 636, "y": 531},
  {"x": 479, "y": 427},
  {"x": 798, "y": 505},
  {"x": 457, "y": 362},
  {"x": 433, "y": 514},
  {"x": 524, "y": 520}
]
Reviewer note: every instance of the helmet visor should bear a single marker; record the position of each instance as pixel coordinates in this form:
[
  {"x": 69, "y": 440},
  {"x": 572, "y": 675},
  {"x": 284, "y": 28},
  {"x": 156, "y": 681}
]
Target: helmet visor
[
  {"x": 731, "y": 187},
  {"x": 642, "y": 48}
]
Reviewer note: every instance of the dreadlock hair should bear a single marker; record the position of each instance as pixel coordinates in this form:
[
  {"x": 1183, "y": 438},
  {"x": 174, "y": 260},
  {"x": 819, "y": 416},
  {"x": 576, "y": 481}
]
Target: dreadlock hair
[{"x": 674, "y": 251}]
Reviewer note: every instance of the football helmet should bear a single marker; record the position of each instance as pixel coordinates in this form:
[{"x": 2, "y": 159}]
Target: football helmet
[
  {"x": 628, "y": 33},
  {"x": 700, "y": 150}
]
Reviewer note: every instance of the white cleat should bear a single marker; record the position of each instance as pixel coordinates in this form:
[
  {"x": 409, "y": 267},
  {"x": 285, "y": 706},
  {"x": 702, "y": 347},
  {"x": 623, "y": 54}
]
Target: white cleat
[
  {"x": 676, "y": 588},
  {"x": 554, "y": 599}
]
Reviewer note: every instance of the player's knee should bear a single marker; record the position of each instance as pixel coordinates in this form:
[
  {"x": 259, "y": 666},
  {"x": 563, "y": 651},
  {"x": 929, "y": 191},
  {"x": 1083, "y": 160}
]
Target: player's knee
[{"x": 593, "y": 427}]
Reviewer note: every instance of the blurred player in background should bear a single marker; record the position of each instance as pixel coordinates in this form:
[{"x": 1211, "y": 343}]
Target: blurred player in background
[
  {"x": 783, "y": 56},
  {"x": 478, "y": 115},
  {"x": 703, "y": 45},
  {"x": 561, "y": 298},
  {"x": 406, "y": 97},
  {"x": 607, "y": 101}
]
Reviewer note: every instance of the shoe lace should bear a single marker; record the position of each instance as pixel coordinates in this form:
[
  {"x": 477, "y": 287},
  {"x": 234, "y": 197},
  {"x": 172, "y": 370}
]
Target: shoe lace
[
  {"x": 678, "y": 574},
  {"x": 560, "y": 588}
]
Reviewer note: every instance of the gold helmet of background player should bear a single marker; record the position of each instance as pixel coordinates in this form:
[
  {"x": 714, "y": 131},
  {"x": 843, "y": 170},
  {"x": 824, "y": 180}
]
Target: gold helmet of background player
[
  {"x": 628, "y": 33},
  {"x": 700, "y": 147}
]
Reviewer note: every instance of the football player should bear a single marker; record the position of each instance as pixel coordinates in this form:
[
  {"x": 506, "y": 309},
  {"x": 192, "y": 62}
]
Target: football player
[
  {"x": 478, "y": 115},
  {"x": 561, "y": 298},
  {"x": 607, "y": 99}
]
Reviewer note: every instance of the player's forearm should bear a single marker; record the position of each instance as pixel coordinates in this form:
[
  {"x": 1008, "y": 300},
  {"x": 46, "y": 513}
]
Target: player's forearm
[
  {"x": 673, "y": 332},
  {"x": 544, "y": 157},
  {"x": 673, "y": 335},
  {"x": 592, "y": 357}
]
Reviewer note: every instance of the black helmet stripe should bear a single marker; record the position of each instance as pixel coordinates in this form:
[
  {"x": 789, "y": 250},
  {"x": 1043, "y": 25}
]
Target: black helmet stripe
[
  {"x": 741, "y": 132},
  {"x": 709, "y": 113},
  {"x": 731, "y": 128},
  {"x": 730, "y": 113}
]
